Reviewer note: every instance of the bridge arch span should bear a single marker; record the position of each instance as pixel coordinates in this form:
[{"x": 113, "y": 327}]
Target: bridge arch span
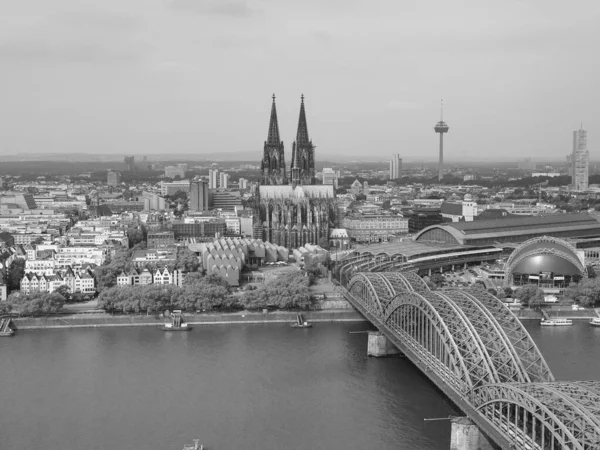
[{"x": 543, "y": 415}]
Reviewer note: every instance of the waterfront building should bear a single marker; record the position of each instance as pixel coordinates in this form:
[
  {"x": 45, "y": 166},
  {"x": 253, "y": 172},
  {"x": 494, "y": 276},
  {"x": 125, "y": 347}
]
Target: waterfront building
[
  {"x": 113, "y": 178},
  {"x": 395, "y": 166},
  {"x": 580, "y": 161}
]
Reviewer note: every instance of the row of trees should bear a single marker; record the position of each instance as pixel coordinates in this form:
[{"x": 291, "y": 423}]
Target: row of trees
[
  {"x": 33, "y": 304},
  {"x": 206, "y": 293},
  {"x": 287, "y": 291},
  {"x": 198, "y": 293}
]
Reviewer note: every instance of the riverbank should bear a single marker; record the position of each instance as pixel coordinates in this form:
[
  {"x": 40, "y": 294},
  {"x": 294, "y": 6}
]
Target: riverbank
[{"x": 107, "y": 320}]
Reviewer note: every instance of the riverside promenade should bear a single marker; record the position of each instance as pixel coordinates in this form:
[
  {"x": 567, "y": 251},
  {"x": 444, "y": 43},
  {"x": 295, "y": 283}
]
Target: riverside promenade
[{"x": 96, "y": 320}]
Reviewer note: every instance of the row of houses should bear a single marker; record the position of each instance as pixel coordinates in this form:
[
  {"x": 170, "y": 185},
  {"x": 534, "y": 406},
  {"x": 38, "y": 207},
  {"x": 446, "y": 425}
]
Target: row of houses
[
  {"x": 139, "y": 277},
  {"x": 81, "y": 281}
]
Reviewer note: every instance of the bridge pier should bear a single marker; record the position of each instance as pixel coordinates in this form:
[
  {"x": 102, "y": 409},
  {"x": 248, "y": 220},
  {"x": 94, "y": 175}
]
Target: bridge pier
[
  {"x": 466, "y": 436},
  {"x": 380, "y": 346}
]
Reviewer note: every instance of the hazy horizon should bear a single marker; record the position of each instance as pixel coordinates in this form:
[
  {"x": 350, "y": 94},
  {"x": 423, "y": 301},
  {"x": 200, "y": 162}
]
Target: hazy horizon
[{"x": 196, "y": 77}]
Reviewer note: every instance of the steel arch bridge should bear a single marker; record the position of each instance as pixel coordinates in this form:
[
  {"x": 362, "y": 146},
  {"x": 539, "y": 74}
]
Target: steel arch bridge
[{"x": 479, "y": 354}]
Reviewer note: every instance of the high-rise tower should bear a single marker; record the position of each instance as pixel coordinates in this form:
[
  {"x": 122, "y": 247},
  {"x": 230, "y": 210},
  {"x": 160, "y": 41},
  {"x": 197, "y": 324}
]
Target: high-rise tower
[
  {"x": 580, "y": 160},
  {"x": 303, "y": 152},
  {"x": 395, "y": 166},
  {"x": 272, "y": 167},
  {"x": 441, "y": 127}
]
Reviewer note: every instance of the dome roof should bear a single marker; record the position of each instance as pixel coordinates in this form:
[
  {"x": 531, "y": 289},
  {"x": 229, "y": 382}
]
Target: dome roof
[
  {"x": 546, "y": 254},
  {"x": 546, "y": 263}
]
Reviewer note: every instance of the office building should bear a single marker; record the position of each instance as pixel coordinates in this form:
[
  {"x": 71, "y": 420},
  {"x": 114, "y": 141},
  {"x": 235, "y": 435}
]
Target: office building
[
  {"x": 213, "y": 178},
  {"x": 170, "y": 188},
  {"x": 243, "y": 183},
  {"x": 224, "y": 180},
  {"x": 113, "y": 178},
  {"x": 580, "y": 161},
  {"x": 198, "y": 196},
  {"x": 395, "y": 166}
]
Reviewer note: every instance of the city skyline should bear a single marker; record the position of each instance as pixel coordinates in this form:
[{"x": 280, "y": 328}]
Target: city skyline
[{"x": 134, "y": 80}]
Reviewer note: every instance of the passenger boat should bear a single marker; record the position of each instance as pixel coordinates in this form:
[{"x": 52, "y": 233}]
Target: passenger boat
[
  {"x": 195, "y": 446},
  {"x": 177, "y": 323},
  {"x": 300, "y": 322},
  {"x": 595, "y": 322},
  {"x": 556, "y": 322}
]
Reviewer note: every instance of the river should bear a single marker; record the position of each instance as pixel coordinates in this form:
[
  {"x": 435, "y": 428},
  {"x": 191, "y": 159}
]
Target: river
[{"x": 233, "y": 387}]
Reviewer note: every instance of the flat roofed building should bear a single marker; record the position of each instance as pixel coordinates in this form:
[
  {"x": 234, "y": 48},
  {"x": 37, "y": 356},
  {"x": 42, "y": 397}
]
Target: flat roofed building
[{"x": 511, "y": 229}]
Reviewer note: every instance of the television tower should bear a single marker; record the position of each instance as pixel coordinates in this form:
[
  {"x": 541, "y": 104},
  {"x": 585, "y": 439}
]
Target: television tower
[{"x": 441, "y": 127}]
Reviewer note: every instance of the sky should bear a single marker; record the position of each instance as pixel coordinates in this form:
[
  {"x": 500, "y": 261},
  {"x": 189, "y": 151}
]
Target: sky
[{"x": 147, "y": 77}]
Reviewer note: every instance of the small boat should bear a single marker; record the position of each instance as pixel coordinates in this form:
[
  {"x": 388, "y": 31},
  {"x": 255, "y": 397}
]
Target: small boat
[
  {"x": 196, "y": 446},
  {"x": 595, "y": 322},
  {"x": 300, "y": 322},
  {"x": 556, "y": 322},
  {"x": 177, "y": 323},
  {"x": 5, "y": 329}
]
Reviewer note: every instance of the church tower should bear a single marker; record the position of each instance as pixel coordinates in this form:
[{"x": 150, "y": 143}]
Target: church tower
[
  {"x": 272, "y": 167},
  {"x": 303, "y": 152}
]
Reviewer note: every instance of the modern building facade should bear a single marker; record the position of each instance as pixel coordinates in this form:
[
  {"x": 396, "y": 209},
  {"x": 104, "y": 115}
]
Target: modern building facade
[
  {"x": 374, "y": 228},
  {"x": 580, "y": 161},
  {"x": 395, "y": 166},
  {"x": 198, "y": 196}
]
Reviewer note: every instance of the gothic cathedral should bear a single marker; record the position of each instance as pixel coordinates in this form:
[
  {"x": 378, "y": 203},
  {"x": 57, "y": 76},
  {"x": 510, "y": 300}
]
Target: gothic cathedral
[{"x": 298, "y": 213}]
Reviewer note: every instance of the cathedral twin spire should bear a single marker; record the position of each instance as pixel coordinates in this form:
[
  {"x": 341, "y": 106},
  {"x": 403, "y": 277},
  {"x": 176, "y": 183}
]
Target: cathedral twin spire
[{"x": 273, "y": 170}]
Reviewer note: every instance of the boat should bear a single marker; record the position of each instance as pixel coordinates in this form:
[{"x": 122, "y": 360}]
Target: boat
[
  {"x": 195, "y": 446},
  {"x": 556, "y": 322},
  {"x": 5, "y": 329},
  {"x": 176, "y": 323},
  {"x": 300, "y": 322},
  {"x": 595, "y": 322}
]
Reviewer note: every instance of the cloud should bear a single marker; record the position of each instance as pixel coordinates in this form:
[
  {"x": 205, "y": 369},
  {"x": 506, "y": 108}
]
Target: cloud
[
  {"x": 232, "y": 8},
  {"x": 76, "y": 38},
  {"x": 399, "y": 105}
]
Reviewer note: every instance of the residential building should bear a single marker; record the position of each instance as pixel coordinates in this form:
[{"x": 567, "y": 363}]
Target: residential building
[
  {"x": 160, "y": 239},
  {"x": 163, "y": 256},
  {"x": 198, "y": 200},
  {"x": 243, "y": 183},
  {"x": 580, "y": 161},
  {"x": 213, "y": 178},
  {"x": 113, "y": 178},
  {"x": 223, "y": 180},
  {"x": 395, "y": 166}
]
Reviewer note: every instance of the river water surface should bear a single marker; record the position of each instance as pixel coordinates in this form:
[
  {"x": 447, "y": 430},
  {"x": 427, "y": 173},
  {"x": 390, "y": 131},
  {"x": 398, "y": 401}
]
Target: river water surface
[{"x": 233, "y": 387}]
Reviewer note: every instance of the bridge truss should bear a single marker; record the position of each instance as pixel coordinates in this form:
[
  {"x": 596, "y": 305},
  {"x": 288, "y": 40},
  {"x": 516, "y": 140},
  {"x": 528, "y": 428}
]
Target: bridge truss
[{"x": 476, "y": 350}]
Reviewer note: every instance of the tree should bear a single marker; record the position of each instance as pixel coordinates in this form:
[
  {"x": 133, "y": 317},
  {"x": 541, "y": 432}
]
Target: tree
[
  {"x": 530, "y": 295},
  {"x": 586, "y": 292},
  {"x": 16, "y": 271},
  {"x": 35, "y": 303},
  {"x": 64, "y": 291},
  {"x": 437, "y": 279},
  {"x": 193, "y": 278},
  {"x": 187, "y": 260}
]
